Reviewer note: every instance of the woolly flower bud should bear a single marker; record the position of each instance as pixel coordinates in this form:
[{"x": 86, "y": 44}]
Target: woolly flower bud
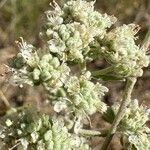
[
  {"x": 53, "y": 73},
  {"x": 70, "y": 42},
  {"x": 48, "y": 70},
  {"x": 83, "y": 12},
  {"x": 83, "y": 96},
  {"x": 133, "y": 126},
  {"x": 70, "y": 38},
  {"x": 119, "y": 49},
  {"x": 78, "y": 10},
  {"x": 31, "y": 130}
]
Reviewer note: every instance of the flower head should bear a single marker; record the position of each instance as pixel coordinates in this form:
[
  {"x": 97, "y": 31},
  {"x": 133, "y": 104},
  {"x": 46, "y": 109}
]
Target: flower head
[
  {"x": 72, "y": 27},
  {"x": 120, "y": 50},
  {"x": 31, "y": 130},
  {"x": 32, "y": 69},
  {"x": 82, "y": 96}
]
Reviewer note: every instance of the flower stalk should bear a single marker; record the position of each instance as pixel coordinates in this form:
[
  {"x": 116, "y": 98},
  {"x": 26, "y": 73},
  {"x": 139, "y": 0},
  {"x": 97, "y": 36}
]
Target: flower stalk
[
  {"x": 125, "y": 102},
  {"x": 126, "y": 99}
]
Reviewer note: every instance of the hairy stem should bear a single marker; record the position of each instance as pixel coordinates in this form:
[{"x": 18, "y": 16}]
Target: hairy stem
[
  {"x": 107, "y": 74},
  {"x": 92, "y": 132},
  {"x": 125, "y": 101},
  {"x": 89, "y": 132},
  {"x": 102, "y": 71}
]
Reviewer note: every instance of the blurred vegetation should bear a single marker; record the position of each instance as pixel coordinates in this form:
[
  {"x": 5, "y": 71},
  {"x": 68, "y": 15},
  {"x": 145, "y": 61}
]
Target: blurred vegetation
[
  {"x": 21, "y": 18},
  {"x": 128, "y": 11},
  {"x": 25, "y": 17}
]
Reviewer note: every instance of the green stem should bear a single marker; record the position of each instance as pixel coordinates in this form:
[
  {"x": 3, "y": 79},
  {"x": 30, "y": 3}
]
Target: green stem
[
  {"x": 82, "y": 67},
  {"x": 107, "y": 74},
  {"x": 89, "y": 132},
  {"x": 92, "y": 132},
  {"x": 125, "y": 102},
  {"x": 102, "y": 71}
]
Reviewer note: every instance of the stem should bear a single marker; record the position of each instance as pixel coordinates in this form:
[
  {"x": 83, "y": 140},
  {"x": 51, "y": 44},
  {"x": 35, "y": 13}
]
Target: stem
[
  {"x": 82, "y": 67},
  {"x": 125, "y": 101},
  {"x": 102, "y": 71},
  {"x": 126, "y": 98},
  {"x": 4, "y": 99},
  {"x": 146, "y": 41},
  {"x": 92, "y": 132},
  {"x": 89, "y": 132},
  {"x": 107, "y": 74}
]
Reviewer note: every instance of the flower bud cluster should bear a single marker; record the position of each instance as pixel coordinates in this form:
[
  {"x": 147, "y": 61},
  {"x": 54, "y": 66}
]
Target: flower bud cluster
[
  {"x": 133, "y": 126},
  {"x": 27, "y": 56},
  {"x": 73, "y": 27},
  {"x": 31, "y": 130},
  {"x": 120, "y": 51},
  {"x": 29, "y": 68},
  {"x": 82, "y": 96},
  {"x": 72, "y": 93}
]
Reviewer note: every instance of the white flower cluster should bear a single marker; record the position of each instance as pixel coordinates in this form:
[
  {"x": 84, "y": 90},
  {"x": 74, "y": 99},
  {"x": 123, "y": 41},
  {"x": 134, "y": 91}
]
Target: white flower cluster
[
  {"x": 120, "y": 51},
  {"x": 83, "y": 97},
  {"x": 71, "y": 28},
  {"x": 133, "y": 126},
  {"x": 29, "y": 68},
  {"x": 76, "y": 32},
  {"x": 31, "y": 130}
]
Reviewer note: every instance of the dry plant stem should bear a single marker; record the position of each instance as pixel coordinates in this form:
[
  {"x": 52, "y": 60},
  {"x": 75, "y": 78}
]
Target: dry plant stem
[
  {"x": 4, "y": 99},
  {"x": 146, "y": 41},
  {"x": 2, "y": 3},
  {"x": 125, "y": 101}
]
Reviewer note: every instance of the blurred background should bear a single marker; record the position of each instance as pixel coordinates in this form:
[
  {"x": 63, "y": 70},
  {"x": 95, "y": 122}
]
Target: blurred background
[{"x": 25, "y": 18}]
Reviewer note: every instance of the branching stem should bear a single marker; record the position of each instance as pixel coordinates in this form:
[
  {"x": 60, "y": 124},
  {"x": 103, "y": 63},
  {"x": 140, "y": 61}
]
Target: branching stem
[
  {"x": 125, "y": 101},
  {"x": 126, "y": 98}
]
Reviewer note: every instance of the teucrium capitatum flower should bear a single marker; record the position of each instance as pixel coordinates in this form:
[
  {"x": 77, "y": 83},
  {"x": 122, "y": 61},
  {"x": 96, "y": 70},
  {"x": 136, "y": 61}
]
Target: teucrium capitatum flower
[
  {"x": 82, "y": 96},
  {"x": 73, "y": 27},
  {"x": 120, "y": 50},
  {"x": 76, "y": 33},
  {"x": 35, "y": 70},
  {"x": 31, "y": 130}
]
